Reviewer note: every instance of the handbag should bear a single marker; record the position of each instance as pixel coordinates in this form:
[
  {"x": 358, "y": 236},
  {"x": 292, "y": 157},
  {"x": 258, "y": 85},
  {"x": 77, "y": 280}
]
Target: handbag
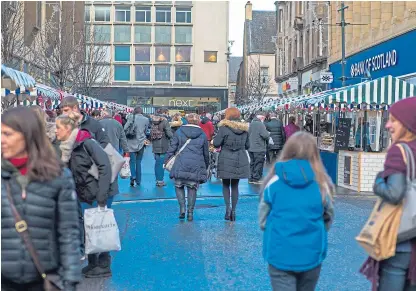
[
  {"x": 51, "y": 282},
  {"x": 407, "y": 228},
  {"x": 171, "y": 161}
]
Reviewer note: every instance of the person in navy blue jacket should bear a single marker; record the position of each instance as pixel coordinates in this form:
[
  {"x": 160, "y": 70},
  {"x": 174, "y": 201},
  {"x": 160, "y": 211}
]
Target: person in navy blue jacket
[
  {"x": 295, "y": 213},
  {"x": 190, "y": 167}
]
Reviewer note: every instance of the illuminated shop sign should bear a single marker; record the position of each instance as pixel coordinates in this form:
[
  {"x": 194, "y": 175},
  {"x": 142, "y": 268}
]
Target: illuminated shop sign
[{"x": 375, "y": 63}]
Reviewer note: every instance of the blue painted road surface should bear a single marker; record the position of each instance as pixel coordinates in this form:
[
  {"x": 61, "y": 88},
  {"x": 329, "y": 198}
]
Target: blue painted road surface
[{"x": 159, "y": 252}]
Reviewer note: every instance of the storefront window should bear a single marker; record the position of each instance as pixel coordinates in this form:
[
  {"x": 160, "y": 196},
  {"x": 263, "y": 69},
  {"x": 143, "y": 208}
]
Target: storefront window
[
  {"x": 183, "y": 54},
  {"x": 162, "y": 54}
]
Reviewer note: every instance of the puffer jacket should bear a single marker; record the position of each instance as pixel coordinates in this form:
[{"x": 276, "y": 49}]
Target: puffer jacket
[
  {"x": 51, "y": 213},
  {"x": 85, "y": 152},
  {"x": 192, "y": 163},
  {"x": 233, "y": 162},
  {"x": 277, "y": 133},
  {"x": 160, "y": 146}
]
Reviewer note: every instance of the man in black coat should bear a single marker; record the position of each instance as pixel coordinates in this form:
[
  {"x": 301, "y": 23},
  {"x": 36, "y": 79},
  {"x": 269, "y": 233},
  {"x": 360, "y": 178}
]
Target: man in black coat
[
  {"x": 277, "y": 133},
  {"x": 258, "y": 138}
]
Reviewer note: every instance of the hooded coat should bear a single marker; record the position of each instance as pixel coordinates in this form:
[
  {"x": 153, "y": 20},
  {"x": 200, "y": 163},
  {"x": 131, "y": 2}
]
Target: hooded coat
[
  {"x": 277, "y": 133},
  {"x": 233, "y": 161},
  {"x": 160, "y": 146},
  {"x": 192, "y": 163},
  {"x": 175, "y": 125},
  {"x": 207, "y": 127},
  {"x": 95, "y": 129}
]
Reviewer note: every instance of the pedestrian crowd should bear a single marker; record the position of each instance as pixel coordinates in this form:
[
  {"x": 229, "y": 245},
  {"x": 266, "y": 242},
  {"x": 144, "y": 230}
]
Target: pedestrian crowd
[{"x": 55, "y": 167}]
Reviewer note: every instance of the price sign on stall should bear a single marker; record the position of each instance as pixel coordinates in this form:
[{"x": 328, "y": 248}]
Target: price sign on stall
[{"x": 342, "y": 137}]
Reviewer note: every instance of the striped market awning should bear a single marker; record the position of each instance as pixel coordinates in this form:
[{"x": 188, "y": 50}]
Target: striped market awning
[
  {"x": 19, "y": 78},
  {"x": 383, "y": 91}
]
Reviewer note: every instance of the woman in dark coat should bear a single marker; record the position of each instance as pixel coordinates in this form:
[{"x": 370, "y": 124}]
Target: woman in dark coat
[
  {"x": 190, "y": 167},
  {"x": 43, "y": 192},
  {"x": 176, "y": 122},
  {"x": 233, "y": 161}
]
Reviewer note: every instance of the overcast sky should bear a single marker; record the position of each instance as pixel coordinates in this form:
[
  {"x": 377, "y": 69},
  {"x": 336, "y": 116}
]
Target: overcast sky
[{"x": 237, "y": 16}]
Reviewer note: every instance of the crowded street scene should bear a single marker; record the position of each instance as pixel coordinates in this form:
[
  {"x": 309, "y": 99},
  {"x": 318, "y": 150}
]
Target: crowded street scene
[{"x": 208, "y": 145}]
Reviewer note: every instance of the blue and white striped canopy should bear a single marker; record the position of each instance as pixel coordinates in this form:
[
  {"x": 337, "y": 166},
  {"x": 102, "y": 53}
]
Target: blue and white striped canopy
[{"x": 19, "y": 78}]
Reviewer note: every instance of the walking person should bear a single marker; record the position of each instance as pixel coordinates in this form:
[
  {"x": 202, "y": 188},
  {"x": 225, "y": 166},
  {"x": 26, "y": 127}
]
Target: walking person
[
  {"x": 43, "y": 193},
  {"x": 191, "y": 164},
  {"x": 80, "y": 152},
  {"x": 398, "y": 272},
  {"x": 291, "y": 128},
  {"x": 258, "y": 137},
  {"x": 160, "y": 135},
  {"x": 277, "y": 133},
  {"x": 207, "y": 126},
  {"x": 176, "y": 122},
  {"x": 295, "y": 213},
  {"x": 233, "y": 162},
  {"x": 135, "y": 130}
]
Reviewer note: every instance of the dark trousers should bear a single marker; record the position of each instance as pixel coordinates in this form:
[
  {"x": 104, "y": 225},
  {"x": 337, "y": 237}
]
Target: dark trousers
[
  {"x": 7, "y": 285},
  {"x": 393, "y": 273},
  {"x": 272, "y": 156},
  {"x": 136, "y": 165},
  {"x": 256, "y": 165},
  {"x": 294, "y": 281}
]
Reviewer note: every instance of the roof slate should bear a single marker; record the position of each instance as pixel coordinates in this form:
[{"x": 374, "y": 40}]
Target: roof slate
[
  {"x": 261, "y": 31},
  {"x": 233, "y": 67}
]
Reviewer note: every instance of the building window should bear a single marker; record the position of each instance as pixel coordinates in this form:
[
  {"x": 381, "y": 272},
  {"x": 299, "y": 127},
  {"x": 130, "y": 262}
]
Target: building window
[
  {"x": 281, "y": 20},
  {"x": 123, "y": 13},
  {"x": 183, "y": 54},
  {"x": 182, "y": 74},
  {"x": 142, "y": 53},
  {"x": 301, "y": 7},
  {"x": 102, "y": 33},
  {"x": 143, "y": 14},
  {"x": 121, "y": 73},
  {"x": 102, "y": 13},
  {"x": 142, "y": 73},
  {"x": 122, "y": 53},
  {"x": 122, "y": 33},
  {"x": 183, "y": 15},
  {"x": 142, "y": 34},
  {"x": 183, "y": 34},
  {"x": 102, "y": 54},
  {"x": 162, "y": 54},
  {"x": 102, "y": 74},
  {"x": 87, "y": 13},
  {"x": 264, "y": 75},
  {"x": 210, "y": 56},
  {"x": 39, "y": 14},
  {"x": 163, "y": 34},
  {"x": 88, "y": 33},
  {"x": 162, "y": 73},
  {"x": 163, "y": 14}
]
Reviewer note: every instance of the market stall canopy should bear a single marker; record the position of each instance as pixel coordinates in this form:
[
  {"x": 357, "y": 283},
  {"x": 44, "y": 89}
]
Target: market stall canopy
[
  {"x": 19, "y": 78},
  {"x": 48, "y": 92}
]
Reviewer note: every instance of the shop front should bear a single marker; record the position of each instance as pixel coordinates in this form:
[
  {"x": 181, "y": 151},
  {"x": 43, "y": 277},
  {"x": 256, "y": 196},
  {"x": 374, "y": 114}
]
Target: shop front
[{"x": 187, "y": 104}]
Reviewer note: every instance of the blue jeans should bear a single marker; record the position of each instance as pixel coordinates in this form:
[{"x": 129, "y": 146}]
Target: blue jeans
[
  {"x": 136, "y": 165},
  {"x": 393, "y": 273},
  {"x": 159, "y": 171}
]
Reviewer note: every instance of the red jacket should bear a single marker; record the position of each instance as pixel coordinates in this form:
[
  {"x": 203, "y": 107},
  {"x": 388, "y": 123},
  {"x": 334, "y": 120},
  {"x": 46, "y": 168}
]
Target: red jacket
[
  {"x": 207, "y": 127},
  {"x": 118, "y": 118}
]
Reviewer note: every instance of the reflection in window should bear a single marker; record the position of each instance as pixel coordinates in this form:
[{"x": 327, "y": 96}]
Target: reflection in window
[
  {"x": 183, "y": 34},
  {"x": 121, "y": 73},
  {"x": 264, "y": 75},
  {"x": 102, "y": 13},
  {"x": 162, "y": 73},
  {"x": 142, "y": 34},
  {"x": 163, "y": 14},
  {"x": 142, "y": 73},
  {"x": 142, "y": 54},
  {"x": 122, "y": 53},
  {"x": 183, "y": 15},
  {"x": 163, "y": 34},
  {"x": 87, "y": 13},
  {"x": 183, "y": 54},
  {"x": 143, "y": 14},
  {"x": 162, "y": 54},
  {"x": 182, "y": 74},
  {"x": 102, "y": 74},
  {"x": 122, "y": 33},
  {"x": 123, "y": 14},
  {"x": 102, "y": 33},
  {"x": 102, "y": 54},
  {"x": 210, "y": 56}
]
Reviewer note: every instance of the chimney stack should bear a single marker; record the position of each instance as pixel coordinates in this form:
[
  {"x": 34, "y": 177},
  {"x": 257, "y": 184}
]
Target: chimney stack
[{"x": 249, "y": 11}]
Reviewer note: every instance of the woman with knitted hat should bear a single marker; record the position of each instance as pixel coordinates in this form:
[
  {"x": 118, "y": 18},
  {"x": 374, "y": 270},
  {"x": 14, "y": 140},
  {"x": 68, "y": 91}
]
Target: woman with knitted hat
[{"x": 397, "y": 273}]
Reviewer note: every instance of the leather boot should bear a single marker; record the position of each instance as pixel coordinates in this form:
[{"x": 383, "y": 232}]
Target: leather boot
[
  {"x": 180, "y": 195},
  {"x": 191, "y": 203},
  {"x": 103, "y": 267},
  {"x": 92, "y": 263}
]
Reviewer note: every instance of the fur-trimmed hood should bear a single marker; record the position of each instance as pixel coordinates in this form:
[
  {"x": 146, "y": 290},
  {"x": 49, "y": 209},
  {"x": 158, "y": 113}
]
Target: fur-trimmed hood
[
  {"x": 235, "y": 126},
  {"x": 176, "y": 123}
]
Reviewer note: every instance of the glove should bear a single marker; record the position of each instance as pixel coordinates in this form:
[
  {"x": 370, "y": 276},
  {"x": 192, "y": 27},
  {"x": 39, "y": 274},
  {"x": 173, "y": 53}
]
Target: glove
[{"x": 70, "y": 286}]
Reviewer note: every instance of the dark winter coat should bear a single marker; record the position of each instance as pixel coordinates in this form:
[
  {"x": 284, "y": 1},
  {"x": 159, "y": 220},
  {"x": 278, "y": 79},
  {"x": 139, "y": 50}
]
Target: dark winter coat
[
  {"x": 175, "y": 125},
  {"x": 95, "y": 129},
  {"x": 277, "y": 133},
  {"x": 258, "y": 135},
  {"x": 85, "y": 151},
  {"x": 192, "y": 163},
  {"x": 51, "y": 213},
  {"x": 233, "y": 162},
  {"x": 160, "y": 146}
]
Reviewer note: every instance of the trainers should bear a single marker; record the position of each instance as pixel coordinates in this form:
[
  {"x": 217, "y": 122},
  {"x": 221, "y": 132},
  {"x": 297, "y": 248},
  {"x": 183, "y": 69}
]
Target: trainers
[{"x": 160, "y": 184}]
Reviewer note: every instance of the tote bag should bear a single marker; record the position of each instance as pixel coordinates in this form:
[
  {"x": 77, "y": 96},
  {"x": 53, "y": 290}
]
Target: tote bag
[
  {"x": 407, "y": 228},
  {"x": 171, "y": 161},
  {"x": 125, "y": 170}
]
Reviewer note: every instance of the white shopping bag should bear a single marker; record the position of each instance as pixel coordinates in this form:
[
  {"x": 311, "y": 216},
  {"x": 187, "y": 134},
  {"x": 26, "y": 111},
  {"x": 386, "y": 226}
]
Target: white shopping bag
[
  {"x": 125, "y": 170},
  {"x": 101, "y": 231}
]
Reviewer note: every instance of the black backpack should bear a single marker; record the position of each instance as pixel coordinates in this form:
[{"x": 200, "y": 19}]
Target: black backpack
[{"x": 131, "y": 131}]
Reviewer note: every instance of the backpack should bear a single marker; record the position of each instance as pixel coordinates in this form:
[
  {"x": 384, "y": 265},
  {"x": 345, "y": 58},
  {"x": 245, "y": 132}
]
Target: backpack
[
  {"x": 155, "y": 132},
  {"x": 131, "y": 131}
]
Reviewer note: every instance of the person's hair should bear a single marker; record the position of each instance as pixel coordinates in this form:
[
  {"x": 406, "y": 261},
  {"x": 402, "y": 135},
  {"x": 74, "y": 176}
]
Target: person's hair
[
  {"x": 138, "y": 110},
  {"x": 69, "y": 101},
  {"x": 302, "y": 145},
  {"x": 232, "y": 113},
  {"x": 95, "y": 113},
  {"x": 43, "y": 163},
  {"x": 71, "y": 119},
  {"x": 39, "y": 112},
  {"x": 292, "y": 119},
  {"x": 107, "y": 112},
  {"x": 193, "y": 118},
  {"x": 51, "y": 115},
  {"x": 177, "y": 117}
]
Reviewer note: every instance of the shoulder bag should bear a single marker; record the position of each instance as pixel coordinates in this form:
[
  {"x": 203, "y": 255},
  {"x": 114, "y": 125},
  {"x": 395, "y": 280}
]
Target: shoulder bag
[
  {"x": 51, "y": 282},
  {"x": 171, "y": 161}
]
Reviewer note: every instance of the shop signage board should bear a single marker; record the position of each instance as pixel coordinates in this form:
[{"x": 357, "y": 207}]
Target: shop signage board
[
  {"x": 342, "y": 136},
  {"x": 347, "y": 170},
  {"x": 326, "y": 77}
]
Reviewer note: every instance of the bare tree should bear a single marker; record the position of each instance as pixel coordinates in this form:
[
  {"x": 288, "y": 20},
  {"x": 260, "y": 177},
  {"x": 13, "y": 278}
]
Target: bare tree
[
  {"x": 12, "y": 38},
  {"x": 258, "y": 82}
]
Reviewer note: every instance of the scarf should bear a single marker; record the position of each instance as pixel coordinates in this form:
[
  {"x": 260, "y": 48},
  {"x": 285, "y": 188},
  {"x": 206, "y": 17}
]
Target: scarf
[{"x": 67, "y": 146}]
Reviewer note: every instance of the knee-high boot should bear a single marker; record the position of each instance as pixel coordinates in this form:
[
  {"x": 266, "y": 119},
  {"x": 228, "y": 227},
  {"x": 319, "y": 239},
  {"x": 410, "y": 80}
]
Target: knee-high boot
[
  {"x": 191, "y": 203},
  {"x": 180, "y": 195}
]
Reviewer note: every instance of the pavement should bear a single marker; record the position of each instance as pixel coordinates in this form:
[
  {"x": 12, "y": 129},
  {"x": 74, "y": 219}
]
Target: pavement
[{"x": 160, "y": 252}]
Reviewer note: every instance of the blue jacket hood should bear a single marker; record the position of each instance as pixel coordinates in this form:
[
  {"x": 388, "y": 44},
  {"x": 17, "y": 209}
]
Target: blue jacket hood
[
  {"x": 191, "y": 131},
  {"x": 295, "y": 173}
]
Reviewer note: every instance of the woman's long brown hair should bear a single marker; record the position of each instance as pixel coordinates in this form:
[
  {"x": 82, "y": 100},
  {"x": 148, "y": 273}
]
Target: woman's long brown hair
[
  {"x": 302, "y": 145},
  {"x": 43, "y": 163}
]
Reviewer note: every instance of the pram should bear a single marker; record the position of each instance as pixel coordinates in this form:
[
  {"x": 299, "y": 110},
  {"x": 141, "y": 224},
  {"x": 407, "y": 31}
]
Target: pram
[{"x": 213, "y": 160}]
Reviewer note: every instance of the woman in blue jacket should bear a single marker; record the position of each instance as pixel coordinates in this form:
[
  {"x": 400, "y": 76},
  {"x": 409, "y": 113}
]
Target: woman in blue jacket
[{"x": 295, "y": 213}]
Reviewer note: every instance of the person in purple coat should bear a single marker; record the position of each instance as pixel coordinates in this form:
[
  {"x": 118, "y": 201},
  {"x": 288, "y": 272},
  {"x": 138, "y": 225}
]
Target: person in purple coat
[{"x": 291, "y": 128}]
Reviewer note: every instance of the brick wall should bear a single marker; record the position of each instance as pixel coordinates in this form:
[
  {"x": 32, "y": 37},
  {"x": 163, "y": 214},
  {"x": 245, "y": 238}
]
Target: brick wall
[
  {"x": 371, "y": 165},
  {"x": 354, "y": 169}
]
